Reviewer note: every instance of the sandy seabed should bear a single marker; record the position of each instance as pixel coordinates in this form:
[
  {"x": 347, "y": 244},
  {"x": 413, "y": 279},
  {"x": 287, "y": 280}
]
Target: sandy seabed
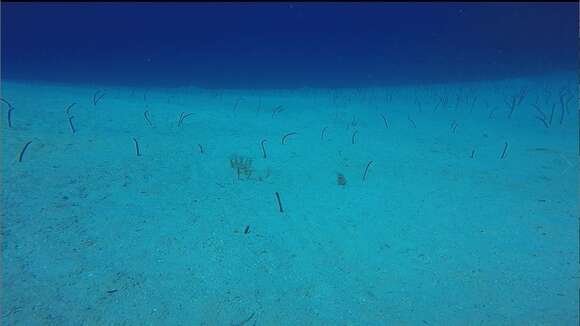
[{"x": 440, "y": 231}]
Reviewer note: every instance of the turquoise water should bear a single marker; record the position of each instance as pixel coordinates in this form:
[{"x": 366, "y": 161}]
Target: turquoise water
[{"x": 408, "y": 203}]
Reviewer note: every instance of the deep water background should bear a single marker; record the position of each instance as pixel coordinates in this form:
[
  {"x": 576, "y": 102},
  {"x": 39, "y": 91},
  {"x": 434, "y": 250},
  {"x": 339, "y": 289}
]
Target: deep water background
[{"x": 274, "y": 45}]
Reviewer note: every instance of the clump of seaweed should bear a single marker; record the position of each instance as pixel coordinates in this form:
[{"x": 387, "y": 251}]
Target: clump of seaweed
[{"x": 242, "y": 166}]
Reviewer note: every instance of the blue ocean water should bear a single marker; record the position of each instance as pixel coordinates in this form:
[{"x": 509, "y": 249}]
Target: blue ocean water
[
  {"x": 289, "y": 163},
  {"x": 269, "y": 45}
]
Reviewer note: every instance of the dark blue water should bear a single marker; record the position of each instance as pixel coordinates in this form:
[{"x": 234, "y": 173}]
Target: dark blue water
[{"x": 249, "y": 45}]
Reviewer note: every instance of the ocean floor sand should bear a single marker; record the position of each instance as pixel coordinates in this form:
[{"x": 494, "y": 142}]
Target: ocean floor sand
[{"x": 441, "y": 231}]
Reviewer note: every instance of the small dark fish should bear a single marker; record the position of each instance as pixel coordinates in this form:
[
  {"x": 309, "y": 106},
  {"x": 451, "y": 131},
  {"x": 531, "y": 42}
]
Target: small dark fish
[
  {"x": 247, "y": 230},
  {"x": 112, "y": 291}
]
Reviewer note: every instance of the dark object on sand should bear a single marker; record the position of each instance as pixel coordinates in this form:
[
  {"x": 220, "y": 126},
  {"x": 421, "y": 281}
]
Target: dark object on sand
[
  {"x": 503, "y": 154},
  {"x": 367, "y": 170},
  {"x": 340, "y": 179},
  {"x": 279, "y": 202},
  {"x": 23, "y": 150},
  {"x": 137, "y": 147}
]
